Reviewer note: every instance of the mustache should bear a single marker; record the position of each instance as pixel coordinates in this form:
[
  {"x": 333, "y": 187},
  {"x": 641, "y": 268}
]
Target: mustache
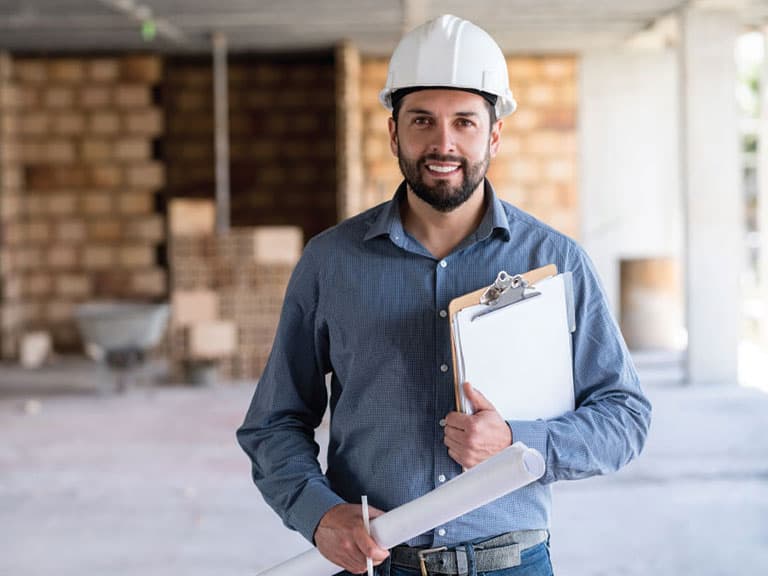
[{"x": 442, "y": 158}]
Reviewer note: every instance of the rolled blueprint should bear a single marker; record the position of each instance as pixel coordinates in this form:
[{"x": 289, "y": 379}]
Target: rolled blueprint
[{"x": 510, "y": 469}]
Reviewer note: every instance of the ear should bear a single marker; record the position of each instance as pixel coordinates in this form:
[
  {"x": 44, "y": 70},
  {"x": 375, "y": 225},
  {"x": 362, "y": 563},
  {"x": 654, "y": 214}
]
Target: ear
[
  {"x": 495, "y": 142},
  {"x": 393, "y": 136}
]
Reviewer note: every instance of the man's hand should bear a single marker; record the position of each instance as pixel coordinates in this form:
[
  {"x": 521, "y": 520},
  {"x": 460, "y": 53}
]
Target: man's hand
[
  {"x": 473, "y": 438},
  {"x": 341, "y": 537}
]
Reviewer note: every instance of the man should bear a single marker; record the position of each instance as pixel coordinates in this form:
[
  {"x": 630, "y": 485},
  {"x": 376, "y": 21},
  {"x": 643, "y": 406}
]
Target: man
[{"x": 368, "y": 303}]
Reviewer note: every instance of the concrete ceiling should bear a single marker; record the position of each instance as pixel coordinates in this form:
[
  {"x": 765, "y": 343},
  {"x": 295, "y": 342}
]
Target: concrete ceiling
[{"x": 520, "y": 26}]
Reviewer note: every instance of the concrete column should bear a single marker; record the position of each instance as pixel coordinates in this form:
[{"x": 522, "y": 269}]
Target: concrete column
[
  {"x": 762, "y": 199},
  {"x": 713, "y": 203},
  {"x": 349, "y": 131}
]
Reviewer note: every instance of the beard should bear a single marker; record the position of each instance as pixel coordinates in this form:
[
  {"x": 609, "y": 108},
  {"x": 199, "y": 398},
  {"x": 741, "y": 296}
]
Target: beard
[{"x": 442, "y": 196}]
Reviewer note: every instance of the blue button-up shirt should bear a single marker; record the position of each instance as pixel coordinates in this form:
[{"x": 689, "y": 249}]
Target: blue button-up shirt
[{"x": 368, "y": 303}]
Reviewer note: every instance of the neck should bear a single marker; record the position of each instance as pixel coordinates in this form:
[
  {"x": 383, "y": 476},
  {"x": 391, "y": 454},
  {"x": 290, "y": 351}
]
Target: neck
[{"x": 440, "y": 232}]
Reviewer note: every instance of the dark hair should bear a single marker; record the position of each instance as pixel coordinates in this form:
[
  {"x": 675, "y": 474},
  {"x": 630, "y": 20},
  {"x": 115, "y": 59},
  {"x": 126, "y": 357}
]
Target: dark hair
[{"x": 398, "y": 95}]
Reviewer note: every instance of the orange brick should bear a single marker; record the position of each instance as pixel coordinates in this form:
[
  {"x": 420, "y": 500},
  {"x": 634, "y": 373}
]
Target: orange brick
[
  {"x": 98, "y": 257},
  {"x": 28, "y": 258},
  {"x": 30, "y": 71},
  {"x": 61, "y": 257},
  {"x": 539, "y": 95},
  {"x": 132, "y": 95},
  {"x": 145, "y": 122},
  {"x": 148, "y": 228},
  {"x": 105, "y": 229},
  {"x": 28, "y": 98},
  {"x": 70, "y": 230},
  {"x": 59, "y": 97},
  {"x": 146, "y": 69},
  {"x": 73, "y": 285},
  {"x": 559, "y": 69},
  {"x": 209, "y": 340},
  {"x": 145, "y": 175},
  {"x": 10, "y": 206},
  {"x": 103, "y": 69},
  {"x": 34, "y": 124},
  {"x": 192, "y": 100},
  {"x": 192, "y": 306},
  {"x": 38, "y": 231},
  {"x": 523, "y": 68},
  {"x": 560, "y": 171},
  {"x": 95, "y": 97},
  {"x": 65, "y": 70},
  {"x": 10, "y": 178},
  {"x": 62, "y": 204},
  {"x": 136, "y": 256},
  {"x": 68, "y": 123},
  {"x": 97, "y": 203},
  {"x": 95, "y": 149},
  {"x": 136, "y": 202},
  {"x": 9, "y": 97},
  {"x": 59, "y": 151},
  {"x": 150, "y": 282},
  {"x": 106, "y": 176},
  {"x": 277, "y": 244},
  {"x": 104, "y": 123},
  {"x": 191, "y": 217},
  {"x": 38, "y": 284},
  {"x": 133, "y": 149},
  {"x": 59, "y": 311}
]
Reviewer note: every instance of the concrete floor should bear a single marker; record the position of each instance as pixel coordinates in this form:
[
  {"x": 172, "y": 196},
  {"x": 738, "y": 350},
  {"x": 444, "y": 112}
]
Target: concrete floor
[{"x": 151, "y": 482}]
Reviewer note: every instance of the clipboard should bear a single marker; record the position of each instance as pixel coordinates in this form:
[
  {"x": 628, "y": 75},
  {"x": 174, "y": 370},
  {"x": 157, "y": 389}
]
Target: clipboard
[{"x": 512, "y": 342}]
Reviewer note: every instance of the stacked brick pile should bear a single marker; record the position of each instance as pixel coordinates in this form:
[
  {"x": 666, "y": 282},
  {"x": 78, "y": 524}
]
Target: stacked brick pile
[
  {"x": 235, "y": 279},
  {"x": 282, "y": 137},
  {"x": 536, "y": 166},
  {"x": 86, "y": 132},
  {"x": 11, "y": 308}
]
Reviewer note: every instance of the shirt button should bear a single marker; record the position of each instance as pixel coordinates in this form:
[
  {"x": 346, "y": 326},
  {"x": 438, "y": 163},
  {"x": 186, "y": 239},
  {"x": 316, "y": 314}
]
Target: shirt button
[
  {"x": 442, "y": 422},
  {"x": 441, "y": 478},
  {"x": 443, "y": 367},
  {"x": 441, "y": 532},
  {"x": 443, "y": 313},
  {"x": 443, "y": 263}
]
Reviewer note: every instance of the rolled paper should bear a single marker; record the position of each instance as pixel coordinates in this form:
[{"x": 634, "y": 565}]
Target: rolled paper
[{"x": 510, "y": 469}]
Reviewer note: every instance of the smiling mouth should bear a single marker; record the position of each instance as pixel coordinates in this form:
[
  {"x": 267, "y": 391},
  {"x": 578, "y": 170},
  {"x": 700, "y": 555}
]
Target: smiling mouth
[{"x": 442, "y": 169}]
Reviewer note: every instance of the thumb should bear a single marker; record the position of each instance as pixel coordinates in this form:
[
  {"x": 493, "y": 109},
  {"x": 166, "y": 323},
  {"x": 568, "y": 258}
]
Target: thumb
[{"x": 479, "y": 402}]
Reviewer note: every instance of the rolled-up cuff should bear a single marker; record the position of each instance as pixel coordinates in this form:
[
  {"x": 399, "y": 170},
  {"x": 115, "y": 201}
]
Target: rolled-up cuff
[{"x": 532, "y": 433}]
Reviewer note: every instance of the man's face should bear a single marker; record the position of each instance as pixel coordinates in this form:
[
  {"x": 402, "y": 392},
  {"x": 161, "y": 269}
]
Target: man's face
[{"x": 444, "y": 142}]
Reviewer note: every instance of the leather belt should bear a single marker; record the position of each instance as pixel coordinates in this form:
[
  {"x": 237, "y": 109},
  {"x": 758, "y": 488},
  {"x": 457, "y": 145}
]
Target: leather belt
[{"x": 494, "y": 554}]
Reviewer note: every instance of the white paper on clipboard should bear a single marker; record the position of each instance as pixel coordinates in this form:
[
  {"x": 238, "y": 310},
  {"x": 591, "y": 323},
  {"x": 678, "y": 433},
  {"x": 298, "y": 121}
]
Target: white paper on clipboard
[{"x": 519, "y": 356}]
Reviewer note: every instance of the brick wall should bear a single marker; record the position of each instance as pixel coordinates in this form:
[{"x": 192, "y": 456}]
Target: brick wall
[
  {"x": 282, "y": 137},
  {"x": 238, "y": 278},
  {"x": 536, "y": 168},
  {"x": 86, "y": 128},
  {"x": 11, "y": 306}
]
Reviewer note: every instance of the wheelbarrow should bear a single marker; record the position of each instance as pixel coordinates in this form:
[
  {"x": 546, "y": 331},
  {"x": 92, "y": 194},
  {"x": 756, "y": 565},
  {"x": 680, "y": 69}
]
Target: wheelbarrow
[{"x": 122, "y": 332}]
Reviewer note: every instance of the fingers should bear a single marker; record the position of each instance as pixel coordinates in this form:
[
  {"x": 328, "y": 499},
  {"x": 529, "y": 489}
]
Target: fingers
[
  {"x": 478, "y": 400},
  {"x": 342, "y": 538}
]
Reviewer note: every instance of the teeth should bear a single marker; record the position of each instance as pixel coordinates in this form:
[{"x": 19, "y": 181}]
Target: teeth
[{"x": 442, "y": 169}]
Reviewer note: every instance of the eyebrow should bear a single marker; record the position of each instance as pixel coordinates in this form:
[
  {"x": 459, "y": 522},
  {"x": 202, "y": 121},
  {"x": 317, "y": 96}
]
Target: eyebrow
[{"x": 429, "y": 113}]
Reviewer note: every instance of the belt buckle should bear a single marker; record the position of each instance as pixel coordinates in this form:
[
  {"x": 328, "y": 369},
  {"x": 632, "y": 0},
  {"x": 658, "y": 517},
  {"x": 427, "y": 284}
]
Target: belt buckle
[{"x": 422, "y": 553}]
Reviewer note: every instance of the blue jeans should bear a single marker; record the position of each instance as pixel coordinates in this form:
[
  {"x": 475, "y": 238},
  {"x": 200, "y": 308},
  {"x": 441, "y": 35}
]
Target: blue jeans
[{"x": 533, "y": 562}]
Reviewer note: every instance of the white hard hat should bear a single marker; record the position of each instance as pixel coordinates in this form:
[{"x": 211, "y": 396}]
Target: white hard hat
[{"x": 449, "y": 52}]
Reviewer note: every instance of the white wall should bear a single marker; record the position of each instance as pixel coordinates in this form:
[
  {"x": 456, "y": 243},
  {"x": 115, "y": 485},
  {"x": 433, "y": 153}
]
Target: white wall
[{"x": 629, "y": 141}]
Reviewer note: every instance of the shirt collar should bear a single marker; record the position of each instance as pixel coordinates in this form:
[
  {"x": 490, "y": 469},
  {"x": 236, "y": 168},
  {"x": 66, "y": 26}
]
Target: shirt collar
[{"x": 389, "y": 223}]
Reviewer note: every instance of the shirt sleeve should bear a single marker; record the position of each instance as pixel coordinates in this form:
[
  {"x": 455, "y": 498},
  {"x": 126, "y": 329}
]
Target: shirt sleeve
[
  {"x": 287, "y": 407},
  {"x": 609, "y": 426}
]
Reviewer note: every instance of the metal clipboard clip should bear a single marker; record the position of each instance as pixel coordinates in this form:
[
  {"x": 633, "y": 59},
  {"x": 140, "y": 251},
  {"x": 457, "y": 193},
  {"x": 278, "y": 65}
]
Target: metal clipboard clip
[{"x": 505, "y": 290}]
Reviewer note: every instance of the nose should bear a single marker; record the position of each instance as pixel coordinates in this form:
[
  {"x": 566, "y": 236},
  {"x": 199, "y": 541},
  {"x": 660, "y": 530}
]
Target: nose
[{"x": 442, "y": 139}]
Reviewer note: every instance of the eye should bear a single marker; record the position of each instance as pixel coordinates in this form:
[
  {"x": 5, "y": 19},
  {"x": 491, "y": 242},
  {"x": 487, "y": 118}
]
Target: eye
[
  {"x": 465, "y": 122},
  {"x": 422, "y": 121}
]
